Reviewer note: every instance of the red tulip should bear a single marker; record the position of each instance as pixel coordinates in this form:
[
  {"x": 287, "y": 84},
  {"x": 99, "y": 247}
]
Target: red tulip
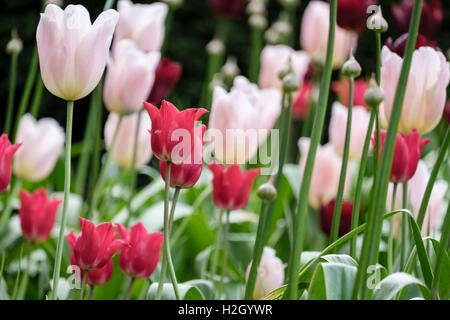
[
  {"x": 95, "y": 277},
  {"x": 167, "y": 75},
  {"x": 169, "y": 130},
  {"x": 407, "y": 151},
  {"x": 302, "y": 99},
  {"x": 231, "y": 186},
  {"x": 447, "y": 112},
  {"x": 140, "y": 258},
  {"x": 7, "y": 151},
  {"x": 227, "y": 8},
  {"x": 398, "y": 46},
  {"x": 359, "y": 89},
  {"x": 95, "y": 245},
  {"x": 37, "y": 214},
  {"x": 430, "y": 20},
  {"x": 326, "y": 217},
  {"x": 352, "y": 14}
]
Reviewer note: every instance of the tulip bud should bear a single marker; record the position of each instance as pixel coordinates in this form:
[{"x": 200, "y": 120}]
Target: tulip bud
[
  {"x": 230, "y": 69},
  {"x": 373, "y": 96},
  {"x": 290, "y": 82},
  {"x": 215, "y": 47},
  {"x": 267, "y": 191},
  {"x": 376, "y": 22},
  {"x": 282, "y": 27},
  {"x": 257, "y": 21},
  {"x": 351, "y": 68},
  {"x": 15, "y": 45},
  {"x": 256, "y": 7}
]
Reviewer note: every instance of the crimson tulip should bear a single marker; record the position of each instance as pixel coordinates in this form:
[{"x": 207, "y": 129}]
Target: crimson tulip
[
  {"x": 7, "y": 151},
  {"x": 226, "y": 8},
  {"x": 352, "y": 14},
  {"x": 96, "y": 277},
  {"x": 167, "y": 75},
  {"x": 326, "y": 217},
  {"x": 231, "y": 186},
  {"x": 430, "y": 20},
  {"x": 407, "y": 151},
  {"x": 398, "y": 46},
  {"x": 95, "y": 245},
  {"x": 170, "y": 129},
  {"x": 359, "y": 89},
  {"x": 140, "y": 258},
  {"x": 37, "y": 214}
]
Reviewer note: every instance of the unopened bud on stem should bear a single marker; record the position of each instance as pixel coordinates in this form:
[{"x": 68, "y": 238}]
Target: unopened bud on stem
[
  {"x": 351, "y": 68},
  {"x": 376, "y": 22},
  {"x": 15, "y": 45},
  {"x": 267, "y": 191}
]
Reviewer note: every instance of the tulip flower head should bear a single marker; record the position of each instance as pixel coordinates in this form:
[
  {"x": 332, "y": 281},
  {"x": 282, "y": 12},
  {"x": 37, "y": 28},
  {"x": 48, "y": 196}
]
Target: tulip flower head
[
  {"x": 241, "y": 120},
  {"x": 37, "y": 214},
  {"x": 359, "y": 89},
  {"x": 314, "y": 35},
  {"x": 72, "y": 50},
  {"x": 167, "y": 75},
  {"x": 140, "y": 258},
  {"x": 352, "y": 14},
  {"x": 399, "y": 45},
  {"x": 122, "y": 154},
  {"x": 231, "y": 186},
  {"x": 326, "y": 217},
  {"x": 142, "y": 23},
  {"x": 270, "y": 273},
  {"x": 426, "y": 92},
  {"x": 7, "y": 151},
  {"x": 407, "y": 151},
  {"x": 42, "y": 144},
  {"x": 95, "y": 245},
  {"x": 174, "y": 134},
  {"x": 129, "y": 77}
]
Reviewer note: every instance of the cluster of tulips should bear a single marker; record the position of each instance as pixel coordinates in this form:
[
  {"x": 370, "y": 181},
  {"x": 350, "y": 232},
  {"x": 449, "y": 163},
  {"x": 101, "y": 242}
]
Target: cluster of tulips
[{"x": 379, "y": 125}]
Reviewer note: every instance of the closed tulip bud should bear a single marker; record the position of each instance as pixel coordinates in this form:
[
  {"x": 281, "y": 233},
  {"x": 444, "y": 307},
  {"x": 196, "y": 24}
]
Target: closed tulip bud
[
  {"x": 267, "y": 192},
  {"x": 326, "y": 217},
  {"x": 142, "y": 23},
  {"x": 72, "y": 51},
  {"x": 37, "y": 214},
  {"x": 230, "y": 69},
  {"x": 257, "y": 21},
  {"x": 425, "y": 94},
  {"x": 270, "y": 274},
  {"x": 42, "y": 143},
  {"x": 241, "y": 120},
  {"x": 231, "y": 186},
  {"x": 351, "y": 68},
  {"x": 407, "y": 152},
  {"x": 95, "y": 245},
  {"x": 167, "y": 75},
  {"x": 282, "y": 27},
  {"x": 123, "y": 151},
  {"x": 15, "y": 45},
  {"x": 129, "y": 78},
  {"x": 7, "y": 151},
  {"x": 314, "y": 35},
  {"x": 341, "y": 88},
  {"x": 140, "y": 258},
  {"x": 169, "y": 127},
  {"x": 290, "y": 83},
  {"x": 377, "y": 22},
  {"x": 373, "y": 96}
]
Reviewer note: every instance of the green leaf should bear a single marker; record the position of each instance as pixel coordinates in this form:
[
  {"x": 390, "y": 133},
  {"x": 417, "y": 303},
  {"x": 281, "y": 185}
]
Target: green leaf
[
  {"x": 332, "y": 281},
  {"x": 340, "y": 258},
  {"x": 187, "y": 292},
  {"x": 205, "y": 286},
  {"x": 443, "y": 280},
  {"x": 390, "y": 286}
]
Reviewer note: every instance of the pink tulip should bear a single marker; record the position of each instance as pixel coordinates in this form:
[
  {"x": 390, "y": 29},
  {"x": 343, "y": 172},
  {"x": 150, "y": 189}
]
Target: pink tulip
[
  {"x": 270, "y": 274},
  {"x": 42, "y": 144},
  {"x": 129, "y": 77},
  {"x": 122, "y": 153},
  {"x": 314, "y": 35},
  {"x": 7, "y": 151},
  {"x": 274, "y": 58},
  {"x": 337, "y": 128},
  {"x": 72, "y": 51},
  {"x": 326, "y": 173},
  {"x": 241, "y": 120},
  {"x": 142, "y": 23},
  {"x": 425, "y": 93}
]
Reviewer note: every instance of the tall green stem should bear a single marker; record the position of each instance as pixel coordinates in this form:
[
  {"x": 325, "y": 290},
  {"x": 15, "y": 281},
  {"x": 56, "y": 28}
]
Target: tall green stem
[
  {"x": 216, "y": 247},
  {"x": 340, "y": 193},
  {"x": 404, "y": 240},
  {"x": 372, "y": 236},
  {"x": 67, "y": 164},
  {"x": 302, "y": 205},
  {"x": 130, "y": 289},
  {"x": 378, "y": 70},
  {"x": 83, "y": 285},
  {"x": 24, "y": 283},
  {"x": 37, "y": 97},
  {"x": 390, "y": 250},
  {"x": 11, "y": 92},
  {"x": 226, "y": 234},
  {"x": 255, "y": 51}
]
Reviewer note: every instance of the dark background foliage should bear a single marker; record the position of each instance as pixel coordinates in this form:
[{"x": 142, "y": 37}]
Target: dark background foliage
[{"x": 193, "y": 26}]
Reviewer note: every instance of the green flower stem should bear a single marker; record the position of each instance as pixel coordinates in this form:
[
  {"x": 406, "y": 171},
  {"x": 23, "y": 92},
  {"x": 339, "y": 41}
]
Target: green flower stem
[
  {"x": 133, "y": 171},
  {"x": 429, "y": 188},
  {"x": 83, "y": 285},
  {"x": 302, "y": 205},
  {"x": 108, "y": 4},
  {"x": 15, "y": 187},
  {"x": 91, "y": 292},
  {"x": 340, "y": 193},
  {"x": 444, "y": 242},
  {"x": 226, "y": 234},
  {"x": 16, "y": 282},
  {"x": 215, "y": 256},
  {"x": 24, "y": 283},
  {"x": 359, "y": 182},
  {"x": 130, "y": 289},
  {"x": 372, "y": 237},
  {"x": 255, "y": 50},
  {"x": 37, "y": 97},
  {"x": 390, "y": 251},
  {"x": 11, "y": 93},
  {"x": 67, "y": 166},
  {"x": 378, "y": 66},
  {"x": 101, "y": 177},
  {"x": 404, "y": 230},
  {"x": 176, "y": 194}
]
